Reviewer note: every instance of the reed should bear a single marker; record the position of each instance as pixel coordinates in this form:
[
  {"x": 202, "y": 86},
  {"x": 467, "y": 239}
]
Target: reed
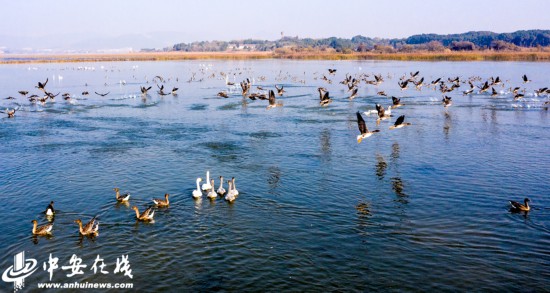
[{"x": 309, "y": 55}]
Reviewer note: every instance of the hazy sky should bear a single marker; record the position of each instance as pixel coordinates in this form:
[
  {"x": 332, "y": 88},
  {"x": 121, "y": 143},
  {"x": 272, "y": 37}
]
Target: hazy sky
[{"x": 238, "y": 19}]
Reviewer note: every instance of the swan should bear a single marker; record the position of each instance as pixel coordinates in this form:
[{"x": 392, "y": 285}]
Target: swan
[
  {"x": 230, "y": 196},
  {"x": 207, "y": 186},
  {"x": 197, "y": 192},
  {"x": 221, "y": 190},
  {"x": 212, "y": 194}
]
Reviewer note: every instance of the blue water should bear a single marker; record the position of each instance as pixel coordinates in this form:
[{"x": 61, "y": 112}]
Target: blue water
[{"x": 420, "y": 208}]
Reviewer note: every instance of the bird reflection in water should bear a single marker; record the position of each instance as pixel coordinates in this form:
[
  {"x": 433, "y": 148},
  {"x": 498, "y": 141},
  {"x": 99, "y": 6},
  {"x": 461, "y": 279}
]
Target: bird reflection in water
[
  {"x": 326, "y": 147},
  {"x": 394, "y": 152},
  {"x": 447, "y": 125},
  {"x": 363, "y": 216},
  {"x": 381, "y": 166},
  {"x": 397, "y": 186},
  {"x": 273, "y": 178}
]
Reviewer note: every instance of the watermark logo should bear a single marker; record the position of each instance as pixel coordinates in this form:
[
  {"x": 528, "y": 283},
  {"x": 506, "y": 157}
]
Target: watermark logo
[{"x": 21, "y": 269}]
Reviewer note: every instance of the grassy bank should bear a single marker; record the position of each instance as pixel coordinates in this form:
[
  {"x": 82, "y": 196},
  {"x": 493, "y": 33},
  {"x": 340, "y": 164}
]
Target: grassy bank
[{"x": 168, "y": 56}]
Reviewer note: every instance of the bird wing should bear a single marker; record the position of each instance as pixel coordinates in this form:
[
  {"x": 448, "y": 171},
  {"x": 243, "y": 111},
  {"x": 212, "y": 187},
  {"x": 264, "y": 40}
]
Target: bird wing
[
  {"x": 271, "y": 97},
  {"x": 399, "y": 120},
  {"x": 361, "y": 123}
]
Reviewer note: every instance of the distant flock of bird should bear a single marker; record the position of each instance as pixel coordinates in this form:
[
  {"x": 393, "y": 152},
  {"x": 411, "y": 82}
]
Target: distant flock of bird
[{"x": 352, "y": 84}]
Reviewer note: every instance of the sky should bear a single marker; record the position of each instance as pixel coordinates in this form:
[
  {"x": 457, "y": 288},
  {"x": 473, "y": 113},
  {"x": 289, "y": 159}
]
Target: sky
[{"x": 36, "y": 23}]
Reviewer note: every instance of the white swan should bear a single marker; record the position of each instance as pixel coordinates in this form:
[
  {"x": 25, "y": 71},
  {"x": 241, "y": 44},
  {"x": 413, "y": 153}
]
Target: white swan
[
  {"x": 221, "y": 190},
  {"x": 230, "y": 196},
  {"x": 235, "y": 191},
  {"x": 212, "y": 194},
  {"x": 207, "y": 186},
  {"x": 197, "y": 192}
]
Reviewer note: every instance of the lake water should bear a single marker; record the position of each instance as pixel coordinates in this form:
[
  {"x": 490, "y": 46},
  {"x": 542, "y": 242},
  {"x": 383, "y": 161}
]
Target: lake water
[{"x": 422, "y": 208}]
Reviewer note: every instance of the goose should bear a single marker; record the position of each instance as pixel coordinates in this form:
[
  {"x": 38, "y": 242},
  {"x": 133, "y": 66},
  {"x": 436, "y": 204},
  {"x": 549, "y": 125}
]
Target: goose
[
  {"x": 41, "y": 230},
  {"x": 144, "y": 90},
  {"x": 331, "y": 71},
  {"x": 221, "y": 190},
  {"x": 41, "y": 86},
  {"x": 434, "y": 82},
  {"x": 324, "y": 96},
  {"x": 234, "y": 186},
  {"x": 396, "y": 102},
  {"x": 230, "y": 196},
  {"x": 403, "y": 85},
  {"x": 272, "y": 102},
  {"x": 162, "y": 202},
  {"x": 11, "y": 113},
  {"x": 363, "y": 128},
  {"x": 85, "y": 93},
  {"x": 212, "y": 194},
  {"x": 399, "y": 122},
  {"x": 353, "y": 94},
  {"x": 382, "y": 113},
  {"x": 447, "y": 101},
  {"x": 280, "y": 90},
  {"x": 175, "y": 91},
  {"x": 382, "y": 93},
  {"x": 51, "y": 95},
  {"x": 525, "y": 79},
  {"x": 121, "y": 198},
  {"x": 223, "y": 95},
  {"x": 494, "y": 93},
  {"x": 197, "y": 192},
  {"x": 24, "y": 93},
  {"x": 50, "y": 211},
  {"x": 206, "y": 186},
  {"x": 518, "y": 207},
  {"x": 91, "y": 228},
  {"x": 147, "y": 214}
]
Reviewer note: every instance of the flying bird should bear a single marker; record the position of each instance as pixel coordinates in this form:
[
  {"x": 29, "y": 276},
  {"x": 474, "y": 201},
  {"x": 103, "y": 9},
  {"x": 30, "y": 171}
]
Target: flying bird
[
  {"x": 363, "y": 128},
  {"x": 399, "y": 122}
]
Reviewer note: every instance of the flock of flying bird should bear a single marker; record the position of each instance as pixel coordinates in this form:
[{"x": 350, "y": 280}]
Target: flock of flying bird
[
  {"x": 352, "y": 84},
  {"x": 92, "y": 227}
]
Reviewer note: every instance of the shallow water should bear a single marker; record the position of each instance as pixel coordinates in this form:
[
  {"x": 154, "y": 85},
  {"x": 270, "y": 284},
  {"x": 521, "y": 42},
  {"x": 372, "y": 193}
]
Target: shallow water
[{"x": 414, "y": 209}]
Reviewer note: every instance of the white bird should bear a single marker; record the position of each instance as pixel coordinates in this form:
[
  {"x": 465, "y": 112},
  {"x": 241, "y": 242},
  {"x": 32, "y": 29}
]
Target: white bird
[
  {"x": 221, "y": 190},
  {"x": 234, "y": 186},
  {"x": 197, "y": 192},
  {"x": 230, "y": 196},
  {"x": 212, "y": 194},
  {"x": 207, "y": 186}
]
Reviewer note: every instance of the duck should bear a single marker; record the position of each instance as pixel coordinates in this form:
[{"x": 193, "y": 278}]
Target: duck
[
  {"x": 197, "y": 192},
  {"x": 234, "y": 186},
  {"x": 518, "y": 207},
  {"x": 147, "y": 214},
  {"x": 162, "y": 202},
  {"x": 399, "y": 122},
  {"x": 363, "y": 128},
  {"x": 41, "y": 230},
  {"x": 121, "y": 198},
  {"x": 50, "y": 211},
  {"x": 230, "y": 196},
  {"x": 212, "y": 194},
  {"x": 221, "y": 190},
  {"x": 207, "y": 186},
  {"x": 91, "y": 228},
  {"x": 272, "y": 102}
]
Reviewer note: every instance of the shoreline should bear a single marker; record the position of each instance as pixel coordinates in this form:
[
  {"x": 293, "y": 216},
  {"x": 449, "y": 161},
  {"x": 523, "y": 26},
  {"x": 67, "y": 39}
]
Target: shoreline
[{"x": 539, "y": 56}]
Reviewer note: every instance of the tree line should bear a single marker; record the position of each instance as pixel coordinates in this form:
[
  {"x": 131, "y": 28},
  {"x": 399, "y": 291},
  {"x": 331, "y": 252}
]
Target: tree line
[{"x": 475, "y": 40}]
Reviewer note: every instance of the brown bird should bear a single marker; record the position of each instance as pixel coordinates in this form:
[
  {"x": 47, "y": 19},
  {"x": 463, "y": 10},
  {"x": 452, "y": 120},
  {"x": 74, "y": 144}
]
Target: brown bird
[
  {"x": 41, "y": 230},
  {"x": 162, "y": 202},
  {"x": 91, "y": 228},
  {"x": 399, "y": 122},
  {"x": 41, "y": 86},
  {"x": 518, "y": 207},
  {"x": 363, "y": 128}
]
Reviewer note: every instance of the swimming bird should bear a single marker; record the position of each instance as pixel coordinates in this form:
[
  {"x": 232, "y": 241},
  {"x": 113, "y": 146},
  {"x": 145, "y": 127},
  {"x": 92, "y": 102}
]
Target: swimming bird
[
  {"x": 147, "y": 214},
  {"x": 41, "y": 86},
  {"x": 272, "y": 102},
  {"x": 11, "y": 113},
  {"x": 103, "y": 95},
  {"x": 518, "y": 207},
  {"x": 41, "y": 230},
  {"x": 206, "y": 186},
  {"x": 447, "y": 101},
  {"x": 324, "y": 96},
  {"x": 212, "y": 193},
  {"x": 197, "y": 192},
  {"x": 525, "y": 79},
  {"x": 280, "y": 91},
  {"x": 223, "y": 95},
  {"x": 234, "y": 186},
  {"x": 363, "y": 128},
  {"x": 162, "y": 202},
  {"x": 91, "y": 228},
  {"x": 230, "y": 196},
  {"x": 50, "y": 211},
  {"x": 399, "y": 122},
  {"x": 121, "y": 198},
  {"x": 221, "y": 190}
]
